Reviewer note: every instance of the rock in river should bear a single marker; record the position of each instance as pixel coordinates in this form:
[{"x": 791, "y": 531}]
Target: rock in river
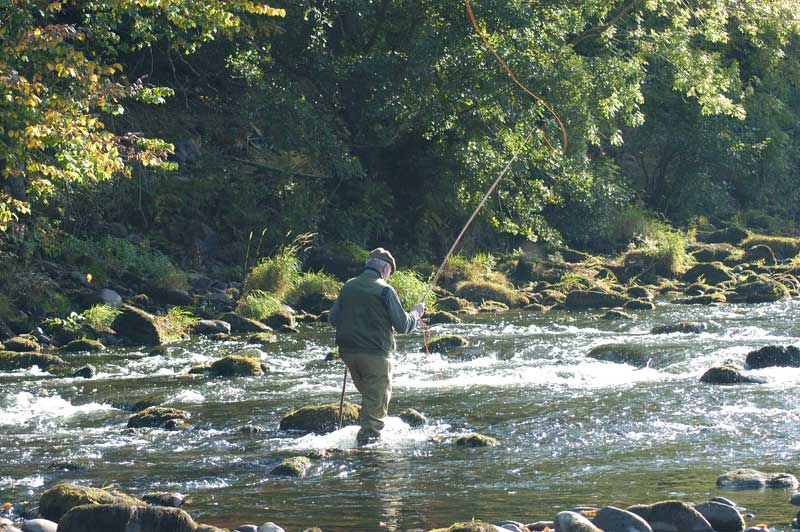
[
  {"x": 721, "y": 517},
  {"x": 39, "y": 525},
  {"x": 240, "y": 324},
  {"x": 11, "y": 361},
  {"x": 727, "y": 374},
  {"x": 588, "y": 299},
  {"x": 687, "y": 327},
  {"x": 126, "y": 518},
  {"x": 320, "y": 419},
  {"x": 412, "y": 418},
  {"x": 633, "y": 355},
  {"x": 84, "y": 344},
  {"x": 672, "y": 516},
  {"x": 445, "y": 344},
  {"x": 476, "y": 440},
  {"x": 236, "y": 366},
  {"x": 573, "y": 522},
  {"x": 612, "y": 519},
  {"x": 61, "y": 498},
  {"x": 21, "y": 344},
  {"x": 212, "y": 327},
  {"x": 296, "y": 466},
  {"x": 159, "y": 417},
  {"x": 750, "y": 479},
  {"x": 774, "y": 355},
  {"x": 171, "y": 499},
  {"x": 139, "y": 327}
]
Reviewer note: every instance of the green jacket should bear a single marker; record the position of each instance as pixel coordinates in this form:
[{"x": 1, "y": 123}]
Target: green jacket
[{"x": 366, "y": 315}]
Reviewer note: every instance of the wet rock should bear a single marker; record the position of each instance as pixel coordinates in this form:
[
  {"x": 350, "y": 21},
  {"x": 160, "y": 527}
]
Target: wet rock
[
  {"x": 263, "y": 338},
  {"x": 453, "y": 304},
  {"x": 713, "y": 252},
  {"x": 589, "y": 299},
  {"x": 774, "y": 355},
  {"x": 633, "y": 355},
  {"x": 236, "y": 366},
  {"x": 209, "y": 528},
  {"x": 795, "y": 500},
  {"x": 86, "y": 372},
  {"x": 727, "y": 374},
  {"x": 412, "y": 418},
  {"x": 476, "y": 440},
  {"x": 296, "y": 467},
  {"x": 139, "y": 327},
  {"x": 280, "y": 321},
  {"x": 539, "y": 526},
  {"x": 320, "y": 419},
  {"x": 270, "y": 527},
  {"x": 159, "y": 417},
  {"x": 11, "y": 361},
  {"x": 612, "y": 519},
  {"x": 536, "y": 307},
  {"x": 759, "y": 291},
  {"x": 58, "y": 500},
  {"x": 212, "y": 327},
  {"x": 639, "y": 304},
  {"x": 699, "y": 289},
  {"x": 551, "y": 297},
  {"x": 721, "y": 517},
  {"x": 66, "y": 466},
  {"x": 170, "y": 499},
  {"x": 639, "y": 292},
  {"x": 613, "y": 315},
  {"x": 247, "y": 528},
  {"x": 514, "y": 526},
  {"x": 712, "y": 274},
  {"x": 200, "y": 369},
  {"x": 730, "y": 235},
  {"x": 240, "y": 324},
  {"x": 493, "y": 306},
  {"x": 447, "y": 343},
  {"x": 84, "y": 344},
  {"x": 126, "y": 518},
  {"x": 249, "y": 430},
  {"x": 687, "y": 327},
  {"x": 480, "y": 291},
  {"x": 672, "y": 516},
  {"x": 109, "y": 297},
  {"x": 443, "y": 316},
  {"x": 712, "y": 298},
  {"x": 751, "y": 479},
  {"x": 471, "y": 526},
  {"x": 760, "y": 253},
  {"x": 22, "y": 344},
  {"x": 573, "y": 522},
  {"x": 38, "y": 525}
]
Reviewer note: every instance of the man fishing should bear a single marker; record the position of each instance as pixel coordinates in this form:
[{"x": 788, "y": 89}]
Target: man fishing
[{"x": 366, "y": 314}]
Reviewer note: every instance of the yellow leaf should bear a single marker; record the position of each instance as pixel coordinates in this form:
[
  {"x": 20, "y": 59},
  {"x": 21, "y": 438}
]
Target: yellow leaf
[
  {"x": 93, "y": 78},
  {"x": 54, "y": 6}
]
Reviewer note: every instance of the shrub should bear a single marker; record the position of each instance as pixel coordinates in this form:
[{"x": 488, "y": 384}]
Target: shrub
[
  {"x": 481, "y": 267},
  {"x": 411, "y": 289},
  {"x": 480, "y": 291},
  {"x": 276, "y": 275},
  {"x": 176, "y": 323},
  {"x": 258, "y": 304},
  {"x": 575, "y": 281},
  {"x": 314, "y": 292},
  {"x": 662, "y": 250},
  {"x": 784, "y": 247},
  {"x": 100, "y": 317}
]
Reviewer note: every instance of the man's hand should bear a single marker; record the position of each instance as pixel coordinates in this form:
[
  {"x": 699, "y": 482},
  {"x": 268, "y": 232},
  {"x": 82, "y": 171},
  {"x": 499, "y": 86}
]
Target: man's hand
[{"x": 418, "y": 309}]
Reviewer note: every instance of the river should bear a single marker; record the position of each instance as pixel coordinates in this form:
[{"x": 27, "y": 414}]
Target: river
[{"x": 572, "y": 430}]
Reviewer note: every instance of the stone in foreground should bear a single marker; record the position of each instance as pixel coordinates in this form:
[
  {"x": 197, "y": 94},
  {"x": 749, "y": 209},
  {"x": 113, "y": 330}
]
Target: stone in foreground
[
  {"x": 722, "y": 517},
  {"x": 320, "y": 419},
  {"x": 126, "y": 518},
  {"x": 672, "y": 516},
  {"x": 61, "y": 498},
  {"x": 574, "y": 522},
  {"x": 612, "y": 519}
]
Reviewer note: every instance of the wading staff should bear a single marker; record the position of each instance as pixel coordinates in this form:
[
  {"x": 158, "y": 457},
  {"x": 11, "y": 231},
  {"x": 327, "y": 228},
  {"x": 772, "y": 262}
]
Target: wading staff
[{"x": 341, "y": 399}]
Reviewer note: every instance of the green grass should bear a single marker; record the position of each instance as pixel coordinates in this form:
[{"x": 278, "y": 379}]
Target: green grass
[
  {"x": 411, "y": 289},
  {"x": 785, "y": 247},
  {"x": 100, "y": 317},
  {"x": 575, "y": 281},
  {"x": 177, "y": 322},
  {"x": 277, "y": 275},
  {"x": 258, "y": 304},
  {"x": 663, "y": 251},
  {"x": 314, "y": 292},
  {"x": 481, "y": 267}
]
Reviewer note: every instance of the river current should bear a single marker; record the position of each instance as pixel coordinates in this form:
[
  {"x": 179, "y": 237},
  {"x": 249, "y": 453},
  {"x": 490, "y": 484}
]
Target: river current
[{"x": 572, "y": 430}]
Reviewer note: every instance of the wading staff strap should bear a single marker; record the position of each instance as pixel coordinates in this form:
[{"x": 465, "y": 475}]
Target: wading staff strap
[{"x": 341, "y": 399}]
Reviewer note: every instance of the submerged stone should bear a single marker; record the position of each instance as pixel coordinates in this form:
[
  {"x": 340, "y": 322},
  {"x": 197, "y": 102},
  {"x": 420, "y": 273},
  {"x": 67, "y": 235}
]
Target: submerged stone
[
  {"x": 633, "y": 355},
  {"x": 476, "y": 440},
  {"x": 296, "y": 466},
  {"x": 320, "y": 419},
  {"x": 126, "y": 518},
  {"x": 58, "y": 500},
  {"x": 159, "y": 417}
]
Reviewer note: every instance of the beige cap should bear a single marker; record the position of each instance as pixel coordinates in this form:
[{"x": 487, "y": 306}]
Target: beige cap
[{"x": 385, "y": 256}]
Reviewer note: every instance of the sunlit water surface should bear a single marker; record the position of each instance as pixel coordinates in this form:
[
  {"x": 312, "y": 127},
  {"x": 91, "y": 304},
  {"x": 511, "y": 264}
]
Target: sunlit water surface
[{"x": 572, "y": 430}]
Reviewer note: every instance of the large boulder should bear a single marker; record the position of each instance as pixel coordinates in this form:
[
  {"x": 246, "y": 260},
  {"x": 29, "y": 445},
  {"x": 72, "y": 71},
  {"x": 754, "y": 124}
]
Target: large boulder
[
  {"x": 159, "y": 417},
  {"x": 574, "y": 522},
  {"x": 212, "y": 327},
  {"x": 588, "y": 299},
  {"x": 480, "y": 291},
  {"x": 11, "y": 361},
  {"x": 61, "y": 498},
  {"x": 760, "y": 253},
  {"x": 21, "y": 344},
  {"x": 751, "y": 479},
  {"x": 759, "y": 291},
  {"x": 240, "y": 324},
  {"x": 236, "y": 366},
  {"x": 296, "y": 466},
  {"x": 713, "y": 252},
  {"x": 320, "y": 419},
  {"x": 612, "y": 519},
  {"x": 722, "y": 517},
  {"x": 712, "y": 274},
  {"x": 774, "y": 355},
  {"x": 39, "y": 525},
  {"x": 84, "y": 344},
  {"x": 730, "y": 235},
  {"x": 139, "y": 327},
  {"x": 727, "y": 374},
  {"x": 672, "y": 516},
  {"x": 126, "y": 518}
]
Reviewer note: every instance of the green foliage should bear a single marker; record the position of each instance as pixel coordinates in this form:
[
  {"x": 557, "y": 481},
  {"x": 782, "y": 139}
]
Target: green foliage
[
  {"x": 100, "y": 317},
  {"x": 258, "y": 304},
  {"x": 315, "y": 292},
  {"x": 411, "y": 289},
  {"x": 662, "y": 251},
  {"x": 177, "y": 323},
  {"x": 276, "y": 274},
  {"x": 574, "y": 281},
  {"x": 481, "y": 267},
  {"x": 121, "y": 260}
]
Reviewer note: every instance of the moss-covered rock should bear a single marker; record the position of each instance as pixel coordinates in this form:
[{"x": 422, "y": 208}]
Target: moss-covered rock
[
  {"x": 714, "y": 252},
  {"x": 21, "y": 344},
  {"x": 412, "y": 418},
  {"x": 615, "y": 315},
  {"x": 84, "y": 344},
  {"x": 760, "y": 254},
  {"x": 729, "y": 235},
  {"x": 727, "y": 374},
  {"x": 639, "y": 304},
  {"x": 688, "y": 327},
  {"x": 469, "y": 526},
  {"x": 263, "y": 338},
  {"x": 447, "y": 343},
  {"x": 442, "y": 316},
  {"x": 453, "y": 304},
  {"x": 139, "y": 327},
  {"x": 236, "y": 366},
  {"x": 672, "y": 516},
  {"x": 280, "y": 320},
  {"x": 296, "y": 467},
  {"x": 783, "y": 247},
  {"x": 240, "y": 324},
  {"x": 320, "y": 419},
  {"x": 551, "y": 297},
  {"x": 12, "y": 361},
  {"x": 126, "y": 517},
  {"x": 476, "y": 440},
  {"x": 710, "y": 273},
  {"x": 633, "y": 355},
  {"x": 159, "y": 417},
  {"x": 759, "y": 291},
  {"x": 61, "y": 498},
  {"x": 590, "y": 299},
  {"x": 480, "y": 291},
  {"x": 200, "y": 369},
  {"x": 705, "y": 299},
  {"x": 639, "y": 292},
  {"x": 774, "y": 356},
  {"x": 751, "y": 479},
  {"x": 699, "y": 289},
  {"x": 493, "y": 306}
]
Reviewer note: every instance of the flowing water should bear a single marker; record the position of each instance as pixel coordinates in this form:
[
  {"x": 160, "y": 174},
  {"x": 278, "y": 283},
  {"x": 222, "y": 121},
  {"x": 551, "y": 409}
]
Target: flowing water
[{"x": 572, "y": 430}]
